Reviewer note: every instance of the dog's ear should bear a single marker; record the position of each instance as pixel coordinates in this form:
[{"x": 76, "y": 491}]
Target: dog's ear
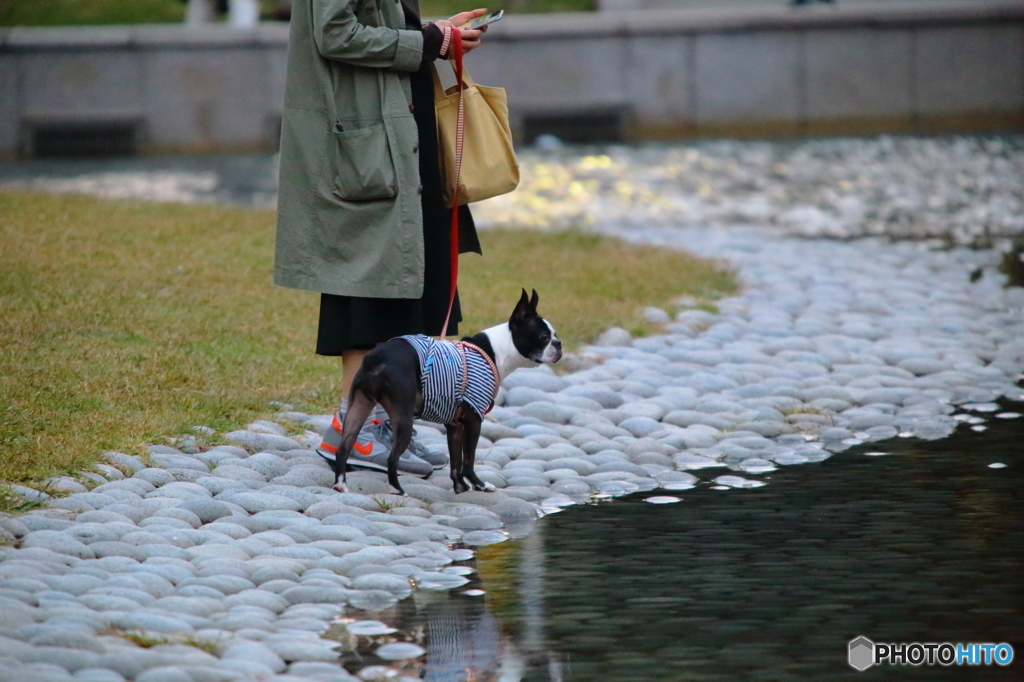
[
  {"x": 522, "y": 307},
  {"x": 534, "y": 300}
]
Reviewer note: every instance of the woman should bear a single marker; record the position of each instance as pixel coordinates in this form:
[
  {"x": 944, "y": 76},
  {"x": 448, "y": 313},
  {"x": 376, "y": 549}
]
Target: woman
[{"x": 361, "y": 217}]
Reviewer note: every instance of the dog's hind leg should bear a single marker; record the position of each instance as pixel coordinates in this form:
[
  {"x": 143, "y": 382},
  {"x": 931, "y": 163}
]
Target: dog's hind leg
[
  {"x": 401, "y": 427},
  {"x": 472, "y": 423},
  {"x": 456, "y": 438},
  {"x": 359, "y": 407}
]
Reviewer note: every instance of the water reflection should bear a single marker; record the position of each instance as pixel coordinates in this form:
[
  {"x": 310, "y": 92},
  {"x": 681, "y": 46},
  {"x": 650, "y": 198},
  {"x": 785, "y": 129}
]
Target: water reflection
[
  {"x": 464, "y": 642},
  {"x": 923, "y": 545},
  {"x": 469, "y": 637}
]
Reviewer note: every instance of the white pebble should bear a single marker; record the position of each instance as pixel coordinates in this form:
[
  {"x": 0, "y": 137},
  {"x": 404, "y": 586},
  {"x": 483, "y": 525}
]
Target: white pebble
[{"x": 369, "y": 628}]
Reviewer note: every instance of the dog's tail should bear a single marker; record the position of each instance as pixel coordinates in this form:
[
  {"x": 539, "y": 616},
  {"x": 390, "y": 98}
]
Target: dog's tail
[
  {"x": 371, "y": 379},
  {"x": 372, "y": 362}
]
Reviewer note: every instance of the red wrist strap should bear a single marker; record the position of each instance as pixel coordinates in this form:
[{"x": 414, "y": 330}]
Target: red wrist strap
[
  {"x": 456, "y": 49},
  {"x": 447, "y": 33}
]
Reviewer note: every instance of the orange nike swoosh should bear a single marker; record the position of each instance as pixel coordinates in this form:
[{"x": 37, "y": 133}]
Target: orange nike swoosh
[{"x": 363, "y": 450}]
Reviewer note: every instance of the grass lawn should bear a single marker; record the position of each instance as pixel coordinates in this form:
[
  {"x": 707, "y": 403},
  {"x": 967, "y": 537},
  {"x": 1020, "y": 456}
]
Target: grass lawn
[
  {"x": 85, "y": 12},
  {"x": 124, "y": 322},
  {"x": 92, "y": 12}
]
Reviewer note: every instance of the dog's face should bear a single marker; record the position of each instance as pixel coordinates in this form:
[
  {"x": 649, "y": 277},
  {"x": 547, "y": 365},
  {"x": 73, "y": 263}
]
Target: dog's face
[{"x": 533, "y": 336}]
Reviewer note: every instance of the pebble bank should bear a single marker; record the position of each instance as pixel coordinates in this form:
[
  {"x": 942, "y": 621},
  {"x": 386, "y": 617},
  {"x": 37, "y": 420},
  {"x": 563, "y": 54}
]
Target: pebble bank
[{"x": 228, "y": 563}]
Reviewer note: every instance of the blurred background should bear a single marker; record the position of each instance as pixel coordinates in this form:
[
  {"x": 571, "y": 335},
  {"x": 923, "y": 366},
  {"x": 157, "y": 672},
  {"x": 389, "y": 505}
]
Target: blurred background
[{"x": 95, "y": 77}]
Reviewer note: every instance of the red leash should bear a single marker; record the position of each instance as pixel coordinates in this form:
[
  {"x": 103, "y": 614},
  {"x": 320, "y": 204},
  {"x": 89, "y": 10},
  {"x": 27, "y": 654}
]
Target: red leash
[{"x": 456, "y": 52}]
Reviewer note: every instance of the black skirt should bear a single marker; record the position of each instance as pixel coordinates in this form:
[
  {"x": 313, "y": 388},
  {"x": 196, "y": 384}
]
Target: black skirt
[{"x": 357, "y": 323}]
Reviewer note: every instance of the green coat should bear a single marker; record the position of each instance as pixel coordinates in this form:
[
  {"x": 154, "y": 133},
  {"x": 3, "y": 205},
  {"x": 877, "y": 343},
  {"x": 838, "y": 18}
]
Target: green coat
[{"x": 349, "y": 214}]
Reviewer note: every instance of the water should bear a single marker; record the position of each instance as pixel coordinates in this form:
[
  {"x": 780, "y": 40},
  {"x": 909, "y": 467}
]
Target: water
[
  {"x": 925, "y": 544},
  {"x": 239, "y": 179},
  {"x": 966, "y": 190}
]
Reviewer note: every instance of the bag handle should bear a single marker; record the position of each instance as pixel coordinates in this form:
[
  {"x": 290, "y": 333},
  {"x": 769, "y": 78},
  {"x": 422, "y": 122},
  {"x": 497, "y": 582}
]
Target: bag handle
[
  {"x": 439, "y": 90},
  {"x": 460, "y": 129}
]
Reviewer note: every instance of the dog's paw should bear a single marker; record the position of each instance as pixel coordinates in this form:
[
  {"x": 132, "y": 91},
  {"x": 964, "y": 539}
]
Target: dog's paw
[
  {"x": 396, "y": 491},
  {"x": 341, "y": 487},
  {"x": 487, "y": 488}
]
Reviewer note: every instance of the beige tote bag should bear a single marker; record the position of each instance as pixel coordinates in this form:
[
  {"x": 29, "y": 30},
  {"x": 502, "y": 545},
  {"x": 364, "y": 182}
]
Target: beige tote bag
[{"x": 488, "y": 161}]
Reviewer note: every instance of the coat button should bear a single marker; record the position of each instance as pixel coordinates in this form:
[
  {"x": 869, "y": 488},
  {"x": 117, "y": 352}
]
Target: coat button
[
  {"x": 419, "y": 190},
  {"x": 416, "y": 149},
  {"x": 411, "y": 108}
]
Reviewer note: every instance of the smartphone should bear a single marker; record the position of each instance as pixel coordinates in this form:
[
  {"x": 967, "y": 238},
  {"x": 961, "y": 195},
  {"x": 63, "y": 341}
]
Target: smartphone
[{"x": 485, "y": 20}]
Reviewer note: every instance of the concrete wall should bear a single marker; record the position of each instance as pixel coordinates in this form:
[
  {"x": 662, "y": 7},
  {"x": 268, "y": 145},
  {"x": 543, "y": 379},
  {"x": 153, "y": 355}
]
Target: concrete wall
[
  {"x": 914, "y": 66},
  {"x": 185, "y": 89},
  {"x": 631, "y": 5},
  {"x": 847, "y": 68}
]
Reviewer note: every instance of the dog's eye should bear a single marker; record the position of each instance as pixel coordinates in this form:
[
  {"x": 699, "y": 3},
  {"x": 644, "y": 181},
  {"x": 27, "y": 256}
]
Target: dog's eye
[{"x": 545, "y": 337}]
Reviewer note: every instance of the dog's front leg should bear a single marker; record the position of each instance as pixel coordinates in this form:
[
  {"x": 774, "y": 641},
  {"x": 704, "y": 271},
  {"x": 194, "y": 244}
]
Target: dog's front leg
[
  {"x": 472, "y": 422},
  {"x": 340, "y": 463},
  {"x": 456, "y": 437}
]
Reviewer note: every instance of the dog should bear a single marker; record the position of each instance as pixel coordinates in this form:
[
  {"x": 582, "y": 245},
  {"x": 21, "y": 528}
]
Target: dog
[{"x": 449, "y": 383}]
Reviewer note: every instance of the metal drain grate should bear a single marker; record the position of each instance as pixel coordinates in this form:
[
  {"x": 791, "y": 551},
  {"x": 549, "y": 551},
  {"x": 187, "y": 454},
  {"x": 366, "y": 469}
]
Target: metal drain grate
[
  {"x": 608, "y": 125},
  {"x": 83, "y": 139}
]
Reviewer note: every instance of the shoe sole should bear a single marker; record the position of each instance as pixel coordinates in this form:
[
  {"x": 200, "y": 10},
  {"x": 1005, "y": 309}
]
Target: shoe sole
[
  {"x": 363, "y": 464},
  {"x": 436, "y": 467}
]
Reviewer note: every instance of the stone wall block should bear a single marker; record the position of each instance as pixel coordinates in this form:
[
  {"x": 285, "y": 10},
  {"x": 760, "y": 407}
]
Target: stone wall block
[
  {"x": 970, "y": 68},
  {"x": 862, "y": 72},
  {"x": 748, "y": 76}
]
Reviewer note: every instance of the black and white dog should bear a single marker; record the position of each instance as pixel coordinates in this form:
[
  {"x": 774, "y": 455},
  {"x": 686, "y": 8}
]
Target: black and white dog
[{"x": 451, "y": 383}]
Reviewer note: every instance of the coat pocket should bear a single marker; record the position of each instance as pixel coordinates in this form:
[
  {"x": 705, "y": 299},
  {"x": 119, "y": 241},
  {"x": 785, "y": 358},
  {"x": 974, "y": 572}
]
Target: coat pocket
[{"x": 365, "y": 169}]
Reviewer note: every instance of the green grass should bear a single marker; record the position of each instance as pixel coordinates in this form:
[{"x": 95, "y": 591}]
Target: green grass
[
  {"x": 13, "y": 504},
  {"x": 148, "y": 640},
  {"x": 386, "y": 506},
  {"x": 85, "y": 12},
  {"x": 108, "y": 12},
  {"x": 122, "y": 322}
]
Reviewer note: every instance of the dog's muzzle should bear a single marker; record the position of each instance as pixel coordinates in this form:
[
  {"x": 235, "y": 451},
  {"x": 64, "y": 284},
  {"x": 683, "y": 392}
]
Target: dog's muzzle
[{"x": 552, "y": 352}]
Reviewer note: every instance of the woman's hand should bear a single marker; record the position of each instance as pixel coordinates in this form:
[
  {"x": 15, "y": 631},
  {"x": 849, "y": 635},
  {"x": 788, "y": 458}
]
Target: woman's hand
[{"x": 470, "y": 37}]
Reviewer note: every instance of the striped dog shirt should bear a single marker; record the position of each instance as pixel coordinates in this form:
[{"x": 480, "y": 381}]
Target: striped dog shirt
[{"x": 452, "y": 373}]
